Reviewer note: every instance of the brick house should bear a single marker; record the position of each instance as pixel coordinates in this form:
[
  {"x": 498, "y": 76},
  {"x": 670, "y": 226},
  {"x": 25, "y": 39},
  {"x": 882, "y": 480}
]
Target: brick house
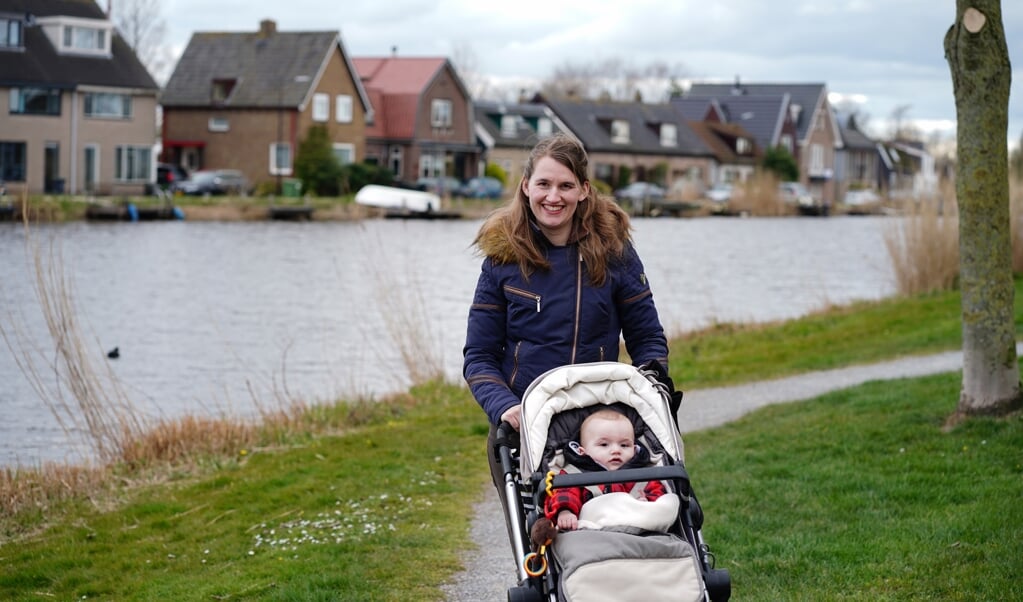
[
  {"x": 508, "y": 132},
  {"x": 817, "y": 135},
  {"x": 245, "y": 100},
  {"x": 77, "y": 107},
  {"x": 424, "y": 125}
]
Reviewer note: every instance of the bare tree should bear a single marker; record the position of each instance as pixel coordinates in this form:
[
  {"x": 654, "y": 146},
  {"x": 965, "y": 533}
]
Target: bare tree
[
  {"x": 978, "y": 58},
  {"x": 612, "y": 79},
  {"x": 141, "y": 24}
]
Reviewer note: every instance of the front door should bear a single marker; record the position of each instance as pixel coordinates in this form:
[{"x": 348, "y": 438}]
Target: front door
[{"x": 52, "y": 183}]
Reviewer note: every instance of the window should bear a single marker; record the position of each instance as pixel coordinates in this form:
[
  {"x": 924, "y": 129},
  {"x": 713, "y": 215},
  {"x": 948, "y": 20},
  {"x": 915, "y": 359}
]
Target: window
[
  {"x": 509, "y": 126},
  {"x": 816, "y": 159},
  {"x": 343, "y": 108},
  {"x": 280, "y": 159},
  {"x": 89, "y": 39},
  {"x": 669, "y": 134},
  {"x": 620, "y": 131},
  {"x": 10, "y": 33},
  {"x": 35, "y": 101},
  {"x": 344, "y": 153},
  {"x": 321, "y": 107},
  {"x": 12, "y": 161},
  {"x": 544, "y": 127},
  {"x": 440, "y": 113},
  {"x": 98, "y": 104},
  {"x": 743, "y": 146},
  {"x": 221, "y": 89},
  {"x": 132, "y": 163},
  {"x": 219, "y": 124}
]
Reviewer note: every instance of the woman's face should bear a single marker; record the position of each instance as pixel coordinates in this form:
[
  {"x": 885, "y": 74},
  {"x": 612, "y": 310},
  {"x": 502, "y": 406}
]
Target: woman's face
[{"x": 554, "y": 193}]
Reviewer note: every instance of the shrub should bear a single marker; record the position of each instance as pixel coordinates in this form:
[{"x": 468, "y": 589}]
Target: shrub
[
  {"x": 356, "y": 175},
  {"x": 780, "y": 161},
  {"x": 493, "y": 170},
  {"x": 316, "y": 164}
]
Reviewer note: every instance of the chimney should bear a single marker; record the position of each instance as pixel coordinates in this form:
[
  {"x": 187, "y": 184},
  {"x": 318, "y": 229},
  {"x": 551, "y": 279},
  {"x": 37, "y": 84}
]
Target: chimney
[
  {"x": 394, "y": 51},
  {"x": 267, "y": 28},
  {"x": 737, "y": 88}
]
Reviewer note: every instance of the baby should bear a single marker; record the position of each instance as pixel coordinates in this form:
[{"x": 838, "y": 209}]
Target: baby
[{"x": 607, "y": 441}]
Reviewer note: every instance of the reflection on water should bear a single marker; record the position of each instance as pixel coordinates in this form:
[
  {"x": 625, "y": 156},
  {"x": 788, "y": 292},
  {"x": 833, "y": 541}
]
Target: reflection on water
[{"x": 217, "y": 318}]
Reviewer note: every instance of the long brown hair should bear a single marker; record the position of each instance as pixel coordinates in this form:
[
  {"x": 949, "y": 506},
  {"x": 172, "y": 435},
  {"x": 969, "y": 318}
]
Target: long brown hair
[{"x": 599, "y": 226}]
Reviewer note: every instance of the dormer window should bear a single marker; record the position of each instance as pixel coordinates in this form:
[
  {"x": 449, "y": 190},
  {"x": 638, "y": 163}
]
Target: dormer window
[
  {"x": 669, "y": 134},
  {"x": 221, "y": 90},
  {"x": 544, "y": 127},
  {"x": 10, "y": 33},
  {"x": 509, "y": 126},
  {"x": 743, "y": 146},
  {"x": 72, "y": 35},
  {"x": 620, "y": 131}
]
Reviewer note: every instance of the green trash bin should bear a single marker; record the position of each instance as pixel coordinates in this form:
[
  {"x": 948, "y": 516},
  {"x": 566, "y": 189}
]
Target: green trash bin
[{"x": 291, "y": 188}]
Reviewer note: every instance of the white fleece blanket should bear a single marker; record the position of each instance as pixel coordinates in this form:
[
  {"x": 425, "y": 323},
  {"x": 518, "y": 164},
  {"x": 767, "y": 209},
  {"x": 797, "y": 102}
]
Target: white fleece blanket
[{"x": 619, "y": 509}]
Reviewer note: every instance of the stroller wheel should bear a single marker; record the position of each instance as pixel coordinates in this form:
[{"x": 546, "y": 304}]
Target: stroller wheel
[
  {"x": 524, "y": 593},
  {"x": 719, "y": 584}
]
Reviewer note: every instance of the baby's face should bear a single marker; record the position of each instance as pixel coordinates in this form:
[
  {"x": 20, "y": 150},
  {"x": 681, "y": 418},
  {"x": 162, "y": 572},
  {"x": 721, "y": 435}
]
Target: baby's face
[{"x": 611, "y": 443}]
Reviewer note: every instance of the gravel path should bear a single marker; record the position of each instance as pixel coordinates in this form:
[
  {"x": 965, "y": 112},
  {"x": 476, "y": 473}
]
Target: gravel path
[{"x": 491, "y": 570}]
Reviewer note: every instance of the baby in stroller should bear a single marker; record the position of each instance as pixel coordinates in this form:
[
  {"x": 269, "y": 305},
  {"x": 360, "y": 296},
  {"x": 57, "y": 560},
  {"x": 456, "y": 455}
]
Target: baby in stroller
[
  {"x": 607, "y": 441},
  {"x": 637, "y": 535}
]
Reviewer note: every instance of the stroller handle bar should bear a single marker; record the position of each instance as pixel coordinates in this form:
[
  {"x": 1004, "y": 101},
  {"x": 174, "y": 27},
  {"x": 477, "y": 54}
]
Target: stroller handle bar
[{"x": 673, "y": 472}]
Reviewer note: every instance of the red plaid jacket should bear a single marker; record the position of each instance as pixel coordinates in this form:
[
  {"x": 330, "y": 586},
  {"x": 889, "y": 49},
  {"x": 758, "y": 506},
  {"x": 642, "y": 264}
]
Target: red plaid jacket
[{"x": 573, "y": 498}]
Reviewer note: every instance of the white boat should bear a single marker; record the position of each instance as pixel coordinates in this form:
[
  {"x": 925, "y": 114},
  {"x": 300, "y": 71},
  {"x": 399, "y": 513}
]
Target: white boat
[{"x": 397, "y": 199}]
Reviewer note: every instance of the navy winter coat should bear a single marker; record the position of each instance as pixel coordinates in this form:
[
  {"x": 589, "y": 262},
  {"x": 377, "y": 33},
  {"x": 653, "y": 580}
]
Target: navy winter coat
[{"x": 519, "y": 329}]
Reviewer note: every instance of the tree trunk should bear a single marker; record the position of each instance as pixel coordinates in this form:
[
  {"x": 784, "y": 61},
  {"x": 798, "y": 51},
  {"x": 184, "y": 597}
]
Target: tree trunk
[{"x": 979, "y": 61}]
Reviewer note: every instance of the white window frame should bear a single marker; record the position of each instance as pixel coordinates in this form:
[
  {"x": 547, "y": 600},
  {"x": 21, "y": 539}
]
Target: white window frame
[
  {"x": 816, "y": 159},
  {"x": 321, "y": 107},
  {"x": 669, "y": 134},
  {"x": 743, "y": 146},
  {"x": 279, "y": 168},
  {"x": 509, "y": 125},
  {"x": 343, "y": 108},
  {"x": 341, "y": 148},
  {"x": 544, "y": 126},
  {"x": 441, "y": 113},
  {"x": 620, "y": 131},
  {"x": 133, "y": 163},
  {"x": 218, "y": 124},
  {"x": 11, "y": 33},
  {"x": 98, "y": 104}
]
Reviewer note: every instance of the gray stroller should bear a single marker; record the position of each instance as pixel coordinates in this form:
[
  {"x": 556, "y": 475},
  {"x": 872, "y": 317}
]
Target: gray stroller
[{"x": 650, "y": 551}]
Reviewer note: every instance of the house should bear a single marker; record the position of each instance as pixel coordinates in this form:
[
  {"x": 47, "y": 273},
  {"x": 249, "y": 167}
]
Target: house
[
  {"x": 859, "y": 162},
  {"x": 636, "y": 141},
  {"x": 77, "y": 107},
  {"x": 817, "y": 135},
  {"x": 509, "y": 131},
  {"x": 736, "y": 152},
  {"x": 908, "y": 170},
  {"x": 246, "y": 100},
  {"x": 424, "y": 125}
]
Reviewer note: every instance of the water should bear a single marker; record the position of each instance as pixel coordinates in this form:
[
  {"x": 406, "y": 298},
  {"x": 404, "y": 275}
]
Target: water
[{"x": 224, "y": 318}]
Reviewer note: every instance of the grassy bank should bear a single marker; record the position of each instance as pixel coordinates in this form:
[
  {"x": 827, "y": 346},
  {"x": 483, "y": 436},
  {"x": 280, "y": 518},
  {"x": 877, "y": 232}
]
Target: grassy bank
[{"x": 861, "y": 494}]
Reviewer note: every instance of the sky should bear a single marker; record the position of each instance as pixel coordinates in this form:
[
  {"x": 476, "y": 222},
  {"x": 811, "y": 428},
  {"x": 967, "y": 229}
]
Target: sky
[{"x": 885, "y": 56}]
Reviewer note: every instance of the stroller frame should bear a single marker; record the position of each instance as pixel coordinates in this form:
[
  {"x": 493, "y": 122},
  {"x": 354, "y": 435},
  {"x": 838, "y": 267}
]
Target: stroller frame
[{"x": 523, "y": 494}]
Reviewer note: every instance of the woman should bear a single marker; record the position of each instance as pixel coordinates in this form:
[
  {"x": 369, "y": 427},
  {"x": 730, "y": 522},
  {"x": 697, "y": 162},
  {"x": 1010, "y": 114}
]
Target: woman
[{"x": 560, "y": 284}]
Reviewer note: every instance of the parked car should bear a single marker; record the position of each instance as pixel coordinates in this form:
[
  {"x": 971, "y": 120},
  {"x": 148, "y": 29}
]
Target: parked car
[
  {"x": 214, "y": 182},
  {"x": 796, "y": 193},
  {"x": 854, "y": 198},
  {"x": 719, "y": 193},
  {"x": 640, "y": 191},
  {"x": 445, "y": 185},
  {"x": 482, "y": 188},
  {"x": 169, "y": 174}
]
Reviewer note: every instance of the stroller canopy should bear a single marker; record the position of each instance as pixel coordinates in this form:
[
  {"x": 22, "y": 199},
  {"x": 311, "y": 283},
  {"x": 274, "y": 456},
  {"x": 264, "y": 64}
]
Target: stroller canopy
[{"x": 583, "y": 385}]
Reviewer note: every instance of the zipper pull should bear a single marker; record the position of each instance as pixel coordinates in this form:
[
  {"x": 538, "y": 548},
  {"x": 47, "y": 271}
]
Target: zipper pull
[{"x": 538, "y": 304}]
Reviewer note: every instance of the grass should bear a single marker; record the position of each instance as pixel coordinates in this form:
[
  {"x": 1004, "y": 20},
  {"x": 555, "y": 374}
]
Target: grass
[
  {"x": 376, "y": 513},
  {"x": 862, "y": 495}
]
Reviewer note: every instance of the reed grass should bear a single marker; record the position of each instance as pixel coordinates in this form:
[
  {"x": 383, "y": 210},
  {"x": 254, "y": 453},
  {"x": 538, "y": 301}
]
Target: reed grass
[
  {"x": 758, "y": 195},
  {"x": 923, "y": 244}
]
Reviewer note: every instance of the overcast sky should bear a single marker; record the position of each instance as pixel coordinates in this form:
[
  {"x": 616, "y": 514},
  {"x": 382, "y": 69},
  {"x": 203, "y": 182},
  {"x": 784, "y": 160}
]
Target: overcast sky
[{"x": 884, "y": 53}]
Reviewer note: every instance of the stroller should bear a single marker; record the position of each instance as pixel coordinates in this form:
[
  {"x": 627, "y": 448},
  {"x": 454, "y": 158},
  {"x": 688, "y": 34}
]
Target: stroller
[{"x": 635, "y": 561}]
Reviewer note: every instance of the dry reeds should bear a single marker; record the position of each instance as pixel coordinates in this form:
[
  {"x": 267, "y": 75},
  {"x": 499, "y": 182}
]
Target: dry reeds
[
  {"x": 923, "y": 245},
  {"x": 759, "y": 196}
]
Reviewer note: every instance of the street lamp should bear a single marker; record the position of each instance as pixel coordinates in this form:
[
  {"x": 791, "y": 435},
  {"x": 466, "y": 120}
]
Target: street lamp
[{"x": 298, "y": 79}]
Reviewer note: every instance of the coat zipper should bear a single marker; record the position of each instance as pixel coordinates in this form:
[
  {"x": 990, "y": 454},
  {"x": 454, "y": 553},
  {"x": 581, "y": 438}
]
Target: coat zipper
[
  {"x": 524, "y": 293},
  {"x": 578, "y": 302}
]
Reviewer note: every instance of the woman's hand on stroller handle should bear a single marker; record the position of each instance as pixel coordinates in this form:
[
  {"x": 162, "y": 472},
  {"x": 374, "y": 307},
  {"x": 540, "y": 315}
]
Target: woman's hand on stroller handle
[{"x": 513, "y": 416}]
